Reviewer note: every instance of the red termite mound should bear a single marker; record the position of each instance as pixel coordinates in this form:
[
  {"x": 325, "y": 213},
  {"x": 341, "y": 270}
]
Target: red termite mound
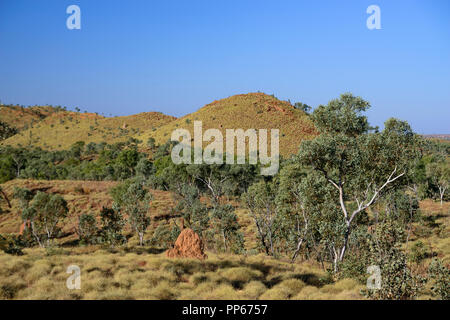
[{"x": 188, "y": 245}]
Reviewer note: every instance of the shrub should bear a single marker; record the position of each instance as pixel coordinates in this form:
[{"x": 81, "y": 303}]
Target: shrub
[
  {"x": 254, "y": 289},
  {"x": 307, "y": 292},
  {"x": 419, "y": 252},
  {"x": 441, "y": 276},
  {"x": 240, "y": 275},
  {"x": 112, "y": 224},
  {"x": 276, "y": 293},
  {"x": 397, "y": 281},
  {"x": 12, "y": 245},
  {"x": 87, "y": 228},
  {"x": 294, "y": 286},
  {"x": 8, "y": 291}
]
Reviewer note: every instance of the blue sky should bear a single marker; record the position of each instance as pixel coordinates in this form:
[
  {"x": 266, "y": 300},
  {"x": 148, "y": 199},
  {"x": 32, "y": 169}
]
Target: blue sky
[{"x": 176, "y": 56}]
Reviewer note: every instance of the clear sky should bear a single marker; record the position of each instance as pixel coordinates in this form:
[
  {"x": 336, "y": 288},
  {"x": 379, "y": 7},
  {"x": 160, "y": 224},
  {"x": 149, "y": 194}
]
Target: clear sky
[{"x": 176, "y": 56}]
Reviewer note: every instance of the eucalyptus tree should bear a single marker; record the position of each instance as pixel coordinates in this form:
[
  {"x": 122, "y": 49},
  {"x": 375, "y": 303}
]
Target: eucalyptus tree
[
  {"x": 24, "y": 196},
  {"x": 216, "y": 181},
  {"x": 260, "y": 201},
  {"x": 439, "y": 174},
  {"x": 137, "y": 205},
  {"x": 193, "y": 211},
  {"x": 112, "y": 223},
  {"x": 44, "y": 213},
  {"x": 132, "y": 198},
  {"x": 87, "y": 228},
  {"x": 358, "y": 164},
  {"x": 310, "y": 218}
]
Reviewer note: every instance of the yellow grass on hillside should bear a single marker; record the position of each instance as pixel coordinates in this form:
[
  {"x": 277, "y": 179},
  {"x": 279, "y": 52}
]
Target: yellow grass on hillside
[
  {"x": 60, "y": 130},
  {"x": 20, "y": 118},
  {"x": 244, "y": 111}
]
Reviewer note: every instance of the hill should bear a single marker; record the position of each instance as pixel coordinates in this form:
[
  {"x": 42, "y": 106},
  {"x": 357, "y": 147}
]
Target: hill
[
  {"x": 23, "y": 117},
  {"x": 244, "y": 111},
  {"x": 44, "y": 127},
  {"x": 60, "y": 130},
  {"x": 440, "y": 137}
]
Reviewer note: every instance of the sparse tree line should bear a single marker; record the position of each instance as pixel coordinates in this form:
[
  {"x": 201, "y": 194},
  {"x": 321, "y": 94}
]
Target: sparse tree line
[
  {"x": 347, "y": 200},
  {"x": 94, "y": 161}
]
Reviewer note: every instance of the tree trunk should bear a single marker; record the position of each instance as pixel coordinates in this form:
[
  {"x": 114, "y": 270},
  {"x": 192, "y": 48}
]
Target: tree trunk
[
  {"x": 441, "y": 194},
  {"x": 33, "y": 231},
  {"x": 344, "y": 247},
  {"x": 335, "y": 261},
  {"x": 263, "y": 237},
  {"x": 6, "y": 198},
  {"x": 297, "y": 250},
  {"x": 271, "y": 243},
  {"x": 224, "y": 241},
  {"x": 141, "y": 238}
]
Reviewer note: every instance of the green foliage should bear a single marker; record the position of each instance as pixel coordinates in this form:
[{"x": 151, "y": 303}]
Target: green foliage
[
  {"x": 164, "y": 236},
  {"x": 136, "y": 203},
  {"x": 11, "y": 245},
  {"x": 399, "y": 206},
  {"x": 226, "y": 229},
  {"x": 24, "y": 196},
  {"x": 260, "y": 200},
  {"x": 44, "y": 213},
  {"x": 151, "y": 143},
  {"x": 112, "y": 223},
  {"x": 342, "y": 116},
  {"x": 302, "y": 106},
  {"x": 441, "y": 279},
  {"x": 359, "y": 165},
  {"x": 87, "y": 228},
  {"x": 419, "y": 252},
  {"x": 397, "y": 281},
  {"x": 127, "y": 160},
  {"x": 193, "y": 211},
  {"x": 144, "y": 168},
  {"x": 438, "y": 174},
  {"x": 6, "y": 131},
  {"x": 95, "y": 161},
  {"x": 6, "y": 167}
]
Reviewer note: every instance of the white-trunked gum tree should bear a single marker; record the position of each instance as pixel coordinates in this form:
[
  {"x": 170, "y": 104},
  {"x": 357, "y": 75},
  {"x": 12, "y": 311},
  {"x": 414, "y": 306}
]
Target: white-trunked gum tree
[{"x": 357, "y": 161}]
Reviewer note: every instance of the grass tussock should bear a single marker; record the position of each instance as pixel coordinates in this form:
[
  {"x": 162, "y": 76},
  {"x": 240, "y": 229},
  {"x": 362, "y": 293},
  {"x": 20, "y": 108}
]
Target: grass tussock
[{"x": 123, "y": 275}]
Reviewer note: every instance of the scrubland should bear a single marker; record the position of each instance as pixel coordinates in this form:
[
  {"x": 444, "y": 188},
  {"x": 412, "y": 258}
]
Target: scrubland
[{"x": 141, "y": 274}]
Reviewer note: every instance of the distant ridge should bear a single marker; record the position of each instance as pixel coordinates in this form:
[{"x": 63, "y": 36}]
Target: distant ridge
[
  {"x": 60, "y": 130},
  {"x": 437, "y": 136},
  {"x": 53, "y": 130},
  {"x": 244, "y": 111}
]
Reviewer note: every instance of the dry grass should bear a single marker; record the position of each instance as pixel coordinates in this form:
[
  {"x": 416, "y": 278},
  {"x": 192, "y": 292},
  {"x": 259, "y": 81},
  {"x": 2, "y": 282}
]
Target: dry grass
[
  {"x": 140, "y": 274},
  {"x": 19, "y": 117},
  {"x": 252, "y": 110},
  {"x": 127, "y": 273},
  {"x": 60, "y": 130},
  {"x": 122, "y": 275}
]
